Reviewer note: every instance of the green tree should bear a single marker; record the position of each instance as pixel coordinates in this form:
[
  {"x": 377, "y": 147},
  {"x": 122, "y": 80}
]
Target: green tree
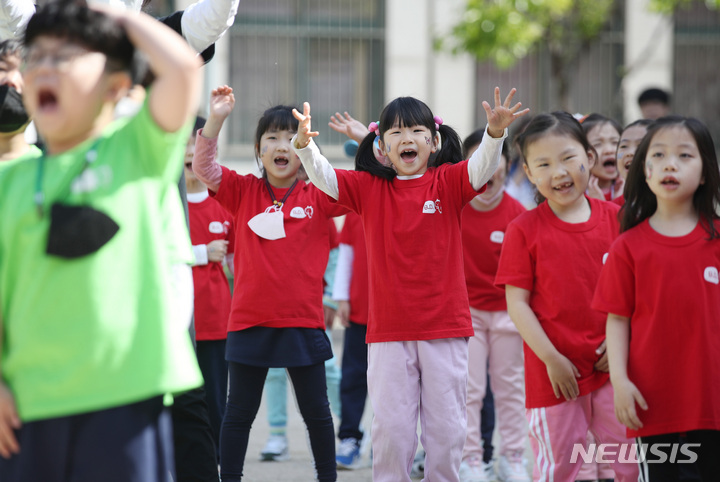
[{"x": 504, "y": 31}]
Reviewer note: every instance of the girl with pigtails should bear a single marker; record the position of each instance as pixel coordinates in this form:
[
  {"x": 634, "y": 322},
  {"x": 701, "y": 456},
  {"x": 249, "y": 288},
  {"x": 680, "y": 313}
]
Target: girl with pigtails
[{"x": 419, "y": 317}]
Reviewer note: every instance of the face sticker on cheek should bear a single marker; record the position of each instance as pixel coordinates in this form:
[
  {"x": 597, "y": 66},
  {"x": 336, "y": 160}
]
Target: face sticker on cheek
[
  {"x": 648, "y": 169},
  {"x": 427, "y": 141},
  {"x": 387, "y": 148},
  {"x": 263, "y": 150},
  {"x": 582, "y": 167}
]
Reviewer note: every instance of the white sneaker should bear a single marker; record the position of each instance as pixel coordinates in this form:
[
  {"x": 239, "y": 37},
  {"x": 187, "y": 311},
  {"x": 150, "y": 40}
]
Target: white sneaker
[
  {"x": 473, "y": 470},
  {"x": 489, "y": 469},
  {"x": 276, "y": 449},
  {"x": 512, "y": 468}
]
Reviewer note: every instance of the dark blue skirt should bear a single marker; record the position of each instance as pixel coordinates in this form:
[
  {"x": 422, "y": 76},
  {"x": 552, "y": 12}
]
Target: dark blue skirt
[{"x": 261, "y": 346}]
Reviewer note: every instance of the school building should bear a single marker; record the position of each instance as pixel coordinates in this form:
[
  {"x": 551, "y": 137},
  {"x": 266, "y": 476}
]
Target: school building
[{"x": 351, "y": 55}]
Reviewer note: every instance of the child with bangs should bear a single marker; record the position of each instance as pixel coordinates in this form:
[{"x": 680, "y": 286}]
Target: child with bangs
[
  {"x": 419, "y": 319},
  {"x": 549, "y": 265},
  {"x": 660, "y": 290},
  {"x": 281, "y": 252}
]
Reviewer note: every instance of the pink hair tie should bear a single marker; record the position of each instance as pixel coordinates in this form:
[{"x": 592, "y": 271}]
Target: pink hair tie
[
  {"x": 374, "y": 127},
  {"x": 438, "y": 122}
]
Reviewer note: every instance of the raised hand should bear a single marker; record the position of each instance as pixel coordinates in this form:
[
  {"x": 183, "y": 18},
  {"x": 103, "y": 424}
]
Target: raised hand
[
  {"x": 222, "y": 102},
  {"x": 352, "y": 128},
  {"x": 305, "y": 132},
  {"x": 502, "y": 115},
  {"x": 594, "y": 190},
  {"x": 216, "y": 250}
]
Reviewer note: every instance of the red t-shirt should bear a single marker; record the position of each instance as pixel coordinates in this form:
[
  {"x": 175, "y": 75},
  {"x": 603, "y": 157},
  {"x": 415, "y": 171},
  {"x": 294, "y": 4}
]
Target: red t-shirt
[
  {"x": 559, "y": 263},
  {"x": 482, "y": 234},
  {"x": 414, "y": 248},
  {"x": 668, "y": 287},
  {"x": 353, "y": 235},
  {"x": 279, "y": 283},
  {"x": 209, "y": 221},
  {"x": 620, "y": 200}
]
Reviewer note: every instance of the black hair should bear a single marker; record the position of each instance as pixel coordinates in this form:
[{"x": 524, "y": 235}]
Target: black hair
[
  {"x": 407, "y": 112},
  {"x": 74, "y": 21},
  {"x": 277, "y": 118},
  {"x": 199, "y": 124},
  {"x": 640, "y": 201},
  {"x": 640, "y": 122},
  {"x": 9, "y": 48},
  {"x": 474, "y": 139},
  {"x": 654, "y": 95},
  {"x": 593, "y": 120},
  {"x": 557, "y": 122}
]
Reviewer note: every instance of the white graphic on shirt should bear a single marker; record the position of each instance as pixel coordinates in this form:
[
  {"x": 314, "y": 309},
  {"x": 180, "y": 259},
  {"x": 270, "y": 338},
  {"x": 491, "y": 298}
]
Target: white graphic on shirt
[
  {"x": 497, "y": 237},
  {"x": 309, "y": 211},
  {"x": 438, "y": 206},
  {"x": 605, "y": 257},
  {"x": 91, "y": 179},
  {"x": 226, "y": 227},
  {"x": 711, "y": 275},
  {"x": 216, "y": 227},
  {"x": 429, "y": 207},
  {"x": 297, "y": 212}
]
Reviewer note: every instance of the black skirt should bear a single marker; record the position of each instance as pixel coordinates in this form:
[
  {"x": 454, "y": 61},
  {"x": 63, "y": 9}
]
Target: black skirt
[{"x": 262, "y": 346}]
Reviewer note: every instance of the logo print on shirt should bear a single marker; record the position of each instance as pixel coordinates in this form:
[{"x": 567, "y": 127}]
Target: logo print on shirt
[
  {"x": 297, "y": 212},
  {"x": 216, "y": 227},
  {"x": 497, "y": 237},
  {"x": 430, "y": 207},
  {"x": 605, "y": 257},
  {"x": 711, "y": 275}
]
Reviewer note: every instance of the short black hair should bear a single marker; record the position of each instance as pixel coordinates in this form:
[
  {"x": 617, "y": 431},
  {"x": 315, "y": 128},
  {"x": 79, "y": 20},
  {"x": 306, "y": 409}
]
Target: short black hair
[
  {"x": 199, "y": 124},
  {"x": 9, "y": 48},
  {"x": 654, "y": 95},
  {"x": 74, "y": 21}
]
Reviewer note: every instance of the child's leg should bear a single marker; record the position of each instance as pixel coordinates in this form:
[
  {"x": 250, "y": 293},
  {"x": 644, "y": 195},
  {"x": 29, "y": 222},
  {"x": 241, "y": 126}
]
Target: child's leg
[
  {"x": 353, "y": 383},
  {"x": 476, "y": 383},
  {"x": 443, "y": 392},
  {"x": 607, "y": 429},
  {"x": 130, "y": 443},
  {"x": 311, "y": 395},
  {"x": 590, "y": 470},
  {"x": 276, "y": 400},
  {"x": 708, "y": 452},
  {"x": 508, "y": 383},
  {"x": 394, "y": 389},
  {"x": 246, "y": 386},
  {"x": 553, "y": 433},
  {"x": 211, "y": 359}
]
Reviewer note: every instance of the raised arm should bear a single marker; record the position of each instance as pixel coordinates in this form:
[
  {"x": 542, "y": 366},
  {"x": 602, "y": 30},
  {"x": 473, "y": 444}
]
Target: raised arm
[
  {"x": 204, "y": 22},
  {"x": 205, "y": 166},
  {"x": 486, "y": 158},
  {"x": 345, "y": 124},
  {"x": 561, "y": 371},
  {"x": 174, "y": 94},
  {"x": 318, "y": 168}
]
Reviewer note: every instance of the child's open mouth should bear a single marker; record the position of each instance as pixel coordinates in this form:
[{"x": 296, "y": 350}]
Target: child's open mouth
[
  {"x": 47, "y": 100},
  {"x": 670, "y": 181},
  {"x": 609, "y": 165},
  {"x": 563, "y": 187},
  {"x": 408, "y": 155},
  {"x": 281, "y": 161}
]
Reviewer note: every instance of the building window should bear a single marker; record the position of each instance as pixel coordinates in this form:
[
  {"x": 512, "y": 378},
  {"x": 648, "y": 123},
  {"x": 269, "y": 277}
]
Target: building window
[{"x": 327, "y": 52}]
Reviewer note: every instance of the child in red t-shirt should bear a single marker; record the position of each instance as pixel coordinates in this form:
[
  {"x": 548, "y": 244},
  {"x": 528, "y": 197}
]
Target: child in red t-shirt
[
  {"x": 603, "y": 135},
  {"x": 419, "y": 319},
  {"x": 630, "y": 139},
  {"x": 276, "y": 317},
  {"x": 550, "y": 261},
  {"x": 496, "y": 346},
  {"x": 213, "y": 239},
  {"x": 661, "y": 291}
]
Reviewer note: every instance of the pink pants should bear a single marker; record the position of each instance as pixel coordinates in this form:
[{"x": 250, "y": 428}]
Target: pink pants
[
  {"x": 554, "y": 430},
  {"x": 411, "y": 378},
  {"x": 497, "y": 347}
]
